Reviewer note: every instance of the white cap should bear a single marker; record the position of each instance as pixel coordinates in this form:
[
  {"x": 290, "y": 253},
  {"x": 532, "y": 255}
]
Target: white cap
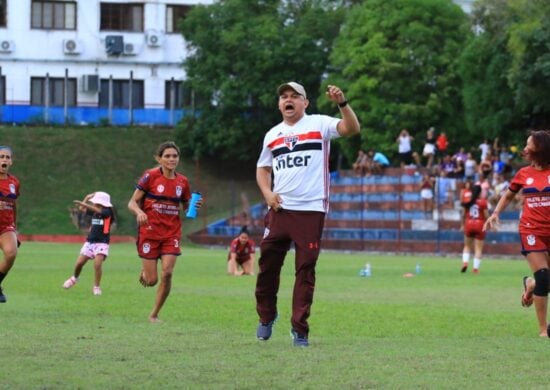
[
  {"x": 298, "y": 88},
  {"x": 101, "y": 198}
]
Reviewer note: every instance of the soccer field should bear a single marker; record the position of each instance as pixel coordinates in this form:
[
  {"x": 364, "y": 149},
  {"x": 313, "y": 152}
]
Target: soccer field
[{"x": 439, "y": 329}]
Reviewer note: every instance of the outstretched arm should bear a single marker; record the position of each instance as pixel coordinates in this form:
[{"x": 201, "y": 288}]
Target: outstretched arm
[{"x": 503, "y": 202}]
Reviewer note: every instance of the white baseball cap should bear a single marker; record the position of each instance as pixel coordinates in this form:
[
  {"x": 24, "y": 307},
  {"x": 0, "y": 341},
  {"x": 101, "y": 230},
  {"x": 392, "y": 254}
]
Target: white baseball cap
[
  {"x": 101, "y": 198},
  {"x": 298, "y": 88}
]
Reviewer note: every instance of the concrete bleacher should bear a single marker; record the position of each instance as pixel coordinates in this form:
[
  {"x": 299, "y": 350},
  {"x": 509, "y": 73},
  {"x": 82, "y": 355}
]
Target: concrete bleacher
[{"x": 380, "y": 213}]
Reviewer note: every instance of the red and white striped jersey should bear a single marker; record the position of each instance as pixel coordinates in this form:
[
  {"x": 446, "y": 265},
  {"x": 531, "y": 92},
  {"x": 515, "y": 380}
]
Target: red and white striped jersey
[{"x": 299, "y": 158}]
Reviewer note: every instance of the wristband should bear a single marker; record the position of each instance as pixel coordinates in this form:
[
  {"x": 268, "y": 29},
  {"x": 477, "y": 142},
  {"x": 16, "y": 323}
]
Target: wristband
[{"x": 343, "y": 104}]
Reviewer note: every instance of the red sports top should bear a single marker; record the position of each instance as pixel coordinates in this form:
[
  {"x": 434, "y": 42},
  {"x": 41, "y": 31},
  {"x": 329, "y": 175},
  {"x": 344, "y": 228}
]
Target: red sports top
[
  {"x": 162, "y": 204},
  {"x": 243, "y": 251},
  {"x": 474, "y": 217},
  {"x": 535, "y": 188},
  {"x": 9, "y": 191}
]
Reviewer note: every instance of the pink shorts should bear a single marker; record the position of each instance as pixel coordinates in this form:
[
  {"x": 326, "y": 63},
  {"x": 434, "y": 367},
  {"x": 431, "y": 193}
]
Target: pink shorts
[
  {"x": 534, "y": 243},
  {"x": 91, "y": 250},
  {"x": 154, "y": 249}
]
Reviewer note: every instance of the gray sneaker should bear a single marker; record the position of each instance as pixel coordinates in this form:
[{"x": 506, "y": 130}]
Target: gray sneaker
[
  {"x": 264, "y": 330},
  {"x": 298, "y": 339}
]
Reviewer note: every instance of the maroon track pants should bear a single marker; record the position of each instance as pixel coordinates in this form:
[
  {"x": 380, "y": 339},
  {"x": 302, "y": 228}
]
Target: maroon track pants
[{"x": 304, "y": 228}]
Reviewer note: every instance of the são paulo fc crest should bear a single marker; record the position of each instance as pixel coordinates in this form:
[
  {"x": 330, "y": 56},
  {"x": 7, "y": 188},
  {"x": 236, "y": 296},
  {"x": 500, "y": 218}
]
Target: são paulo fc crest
[
  {"x": 290, "y": 141},
  {"x": 179, "y": 190},
  {"x": 160, "y": 188},
  {"x": 531, "y": 239},
  {"x": 146, "y": 248},
  {"x": 12, "y": 188}
]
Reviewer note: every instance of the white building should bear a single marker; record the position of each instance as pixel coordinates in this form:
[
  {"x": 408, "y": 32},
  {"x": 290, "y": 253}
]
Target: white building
[{"x": 79, "y": 61}]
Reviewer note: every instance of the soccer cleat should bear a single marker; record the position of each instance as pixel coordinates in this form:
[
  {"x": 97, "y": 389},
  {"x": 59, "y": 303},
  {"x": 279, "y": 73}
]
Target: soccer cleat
[
  {"x": 3, "y": 298},
  {"x": 298, "y": 339},
  {"x": 475, "y": 270},
  {"x": 527, "y": 296},
  {"x": 70, "y": 282},
  {"x": 97, "y": 290},
  {"x": 264, "y": 330},
  {"x": 464, "y": 267}
]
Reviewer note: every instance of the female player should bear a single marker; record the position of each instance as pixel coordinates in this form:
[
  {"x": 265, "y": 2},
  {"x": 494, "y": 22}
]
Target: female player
[
  {"x": 9, "y": 192},
  {"x": 475, "y": 214},
  {"x": 160, "y": 197},
  {"x": 534, "y": 224},
  {"x": 241, "y": 254},
  {"x": 96, "y": 247}
]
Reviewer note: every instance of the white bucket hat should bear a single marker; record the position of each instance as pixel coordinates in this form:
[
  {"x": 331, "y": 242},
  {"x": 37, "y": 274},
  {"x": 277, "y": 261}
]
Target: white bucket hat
[{"x": 101, "y": 198}]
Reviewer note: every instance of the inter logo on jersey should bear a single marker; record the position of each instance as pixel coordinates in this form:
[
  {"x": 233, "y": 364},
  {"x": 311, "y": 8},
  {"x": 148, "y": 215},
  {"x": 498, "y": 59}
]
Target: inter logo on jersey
[
  {"x": 160, "y": 188},
  {"x": 290, "y": 141}
]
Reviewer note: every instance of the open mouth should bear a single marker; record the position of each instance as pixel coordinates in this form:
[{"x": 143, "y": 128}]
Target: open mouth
[{"x": 289, "y": 107}]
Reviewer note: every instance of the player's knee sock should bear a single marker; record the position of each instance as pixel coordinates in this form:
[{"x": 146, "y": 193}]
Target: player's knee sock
[
  {"x": 2, "y": 276},
  {"x": 541, "y": 283},
  {"x": 465, "y": 257},
  {"x": 477, "y": 263}
]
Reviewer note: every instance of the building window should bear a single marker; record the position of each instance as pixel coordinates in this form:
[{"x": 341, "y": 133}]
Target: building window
[
  {"x": 121, "y": 17},
  {"x": 53, "y": 15},
  {"x": 182, "y": 96},
  {"x": 121, "y": 94},
  {"x": 55, "y": 91},
  {"x": 2, "y": 90},
  {"x": 174, "y": 14},
  {"x": 3, "y": 22}
]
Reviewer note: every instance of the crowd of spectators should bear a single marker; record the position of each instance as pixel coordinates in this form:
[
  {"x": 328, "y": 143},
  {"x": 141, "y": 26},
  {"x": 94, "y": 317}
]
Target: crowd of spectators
[{"x": 446, "y": 167}]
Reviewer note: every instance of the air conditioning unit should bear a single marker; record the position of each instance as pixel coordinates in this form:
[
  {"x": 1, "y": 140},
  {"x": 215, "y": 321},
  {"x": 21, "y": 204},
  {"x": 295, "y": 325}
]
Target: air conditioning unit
[
  {"x": 72, "y": 46},
  {"x": 89, "y": 83},
  {"x": 6, "y": 46},
  {"x": 154, "y": 38},
  {"x": 114, "y": 44},
  {"x": 131, "y": 49}
]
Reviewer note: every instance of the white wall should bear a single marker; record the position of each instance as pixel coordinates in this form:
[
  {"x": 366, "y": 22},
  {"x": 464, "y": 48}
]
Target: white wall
[{"x": 37, "y": 52}]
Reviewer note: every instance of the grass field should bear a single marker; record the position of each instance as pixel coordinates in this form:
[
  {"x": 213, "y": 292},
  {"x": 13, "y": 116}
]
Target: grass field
[{"x": 439, "y": 329}]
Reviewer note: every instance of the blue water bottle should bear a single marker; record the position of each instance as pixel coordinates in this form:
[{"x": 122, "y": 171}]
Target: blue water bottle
[
  {"x": 418, "y": 269},
  {"x": 192, "y": 210}
]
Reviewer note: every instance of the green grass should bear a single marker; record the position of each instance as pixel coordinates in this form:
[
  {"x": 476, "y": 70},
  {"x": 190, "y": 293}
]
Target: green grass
[
  {"x": 57, "y": 165},
  {"x": 440, "y": 329}
]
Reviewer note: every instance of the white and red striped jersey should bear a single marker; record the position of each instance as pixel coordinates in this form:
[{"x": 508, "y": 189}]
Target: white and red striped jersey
[{"x": 299, "y": 157}]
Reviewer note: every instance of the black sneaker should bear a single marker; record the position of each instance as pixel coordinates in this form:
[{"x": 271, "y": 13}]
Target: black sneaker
[
  {"x": 298, "y": 339},
  {"x": 3, "y": 298}
]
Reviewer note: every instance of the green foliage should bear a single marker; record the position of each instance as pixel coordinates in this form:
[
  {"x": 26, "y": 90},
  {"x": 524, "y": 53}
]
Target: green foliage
[
  {"x": 441, "y": 329},
  {"x": 240, "y": 51},
  {"x": 396, "y": 61},
  {"x": 506, "y": 68}
]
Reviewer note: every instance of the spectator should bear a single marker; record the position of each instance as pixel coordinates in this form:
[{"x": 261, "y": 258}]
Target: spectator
[
  {"x": 429, "y": 147},
  {"x": 360, "y": 164},
  {"x": 485, "y": 148},
  {"x": 427, "y": 193},
  {"x": 442, "y": 144},
  {"x": 405, "y": 151},
  {"x": 376, "y": 161},
  {"x": 499, "y": 187},
  {"x": 470, "y": 167},
  {"x": 461, "y": 155}
]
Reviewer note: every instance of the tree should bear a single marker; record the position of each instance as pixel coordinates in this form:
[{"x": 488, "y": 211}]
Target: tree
[
  {"x": 396, "y": 60},
  {"x": 240, "y": 51},
  {"x": 506, "y": 68}
]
